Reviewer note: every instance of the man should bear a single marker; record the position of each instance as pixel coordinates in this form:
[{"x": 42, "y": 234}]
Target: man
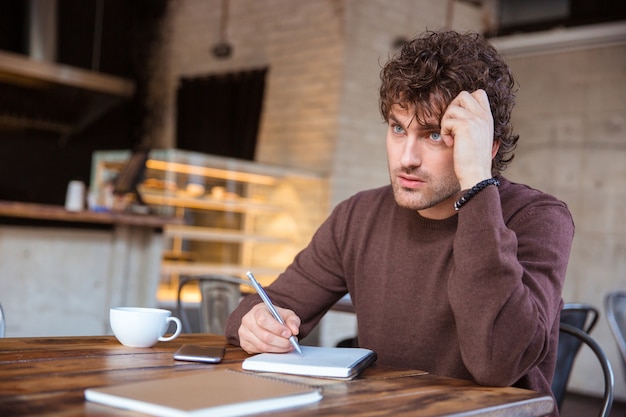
[{"x": 452, "y": 268}]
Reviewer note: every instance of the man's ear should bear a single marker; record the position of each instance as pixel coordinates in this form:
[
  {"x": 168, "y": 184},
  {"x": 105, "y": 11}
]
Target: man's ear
[{"x": 494, "y": 148}]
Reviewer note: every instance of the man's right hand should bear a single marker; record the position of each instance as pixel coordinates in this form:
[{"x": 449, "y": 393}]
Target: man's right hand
[
  {"x": 261, "y": 332},
  {"x": 467, "y": 124}
]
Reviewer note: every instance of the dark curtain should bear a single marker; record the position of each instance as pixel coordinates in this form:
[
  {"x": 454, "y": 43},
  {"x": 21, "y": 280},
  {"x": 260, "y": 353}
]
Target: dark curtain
[{"x": 220, "y": 114}]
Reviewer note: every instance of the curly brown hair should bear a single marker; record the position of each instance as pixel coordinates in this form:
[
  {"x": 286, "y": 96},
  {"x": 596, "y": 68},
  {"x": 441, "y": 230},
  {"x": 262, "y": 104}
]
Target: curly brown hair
[{"x": 432, "y": 69}]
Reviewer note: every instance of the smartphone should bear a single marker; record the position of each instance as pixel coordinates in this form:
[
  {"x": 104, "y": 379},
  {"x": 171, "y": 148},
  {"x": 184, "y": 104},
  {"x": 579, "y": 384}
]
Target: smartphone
[{"x": 196, "y": 353}]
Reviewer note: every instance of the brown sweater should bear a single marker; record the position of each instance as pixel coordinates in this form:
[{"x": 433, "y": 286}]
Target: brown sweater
[{"x": 475, "y": 296}]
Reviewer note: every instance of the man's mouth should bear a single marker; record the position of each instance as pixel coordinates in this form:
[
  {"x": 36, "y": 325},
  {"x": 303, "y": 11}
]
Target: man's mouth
[{"x": 409, "y": 181}]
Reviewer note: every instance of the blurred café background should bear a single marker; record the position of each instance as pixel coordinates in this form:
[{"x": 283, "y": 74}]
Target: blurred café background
[{"x": 237, "y": 125}]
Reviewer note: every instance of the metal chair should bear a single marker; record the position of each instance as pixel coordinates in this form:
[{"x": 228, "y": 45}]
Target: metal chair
[
  {"x": 607, "y": 370},
  {"x": 577, "y": 320},
  {"x": 615, "y": 307},
  {"x": 583, "y": 317},
  {"x": 219, "y": 295}
]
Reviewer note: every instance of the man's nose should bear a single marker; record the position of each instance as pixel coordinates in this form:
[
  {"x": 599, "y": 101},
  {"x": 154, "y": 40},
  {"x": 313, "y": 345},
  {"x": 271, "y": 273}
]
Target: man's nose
[{"x": 411, "y": 153}]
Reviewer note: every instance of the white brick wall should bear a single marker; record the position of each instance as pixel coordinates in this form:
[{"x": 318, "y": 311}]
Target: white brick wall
[{"x": 301, "y": 43}]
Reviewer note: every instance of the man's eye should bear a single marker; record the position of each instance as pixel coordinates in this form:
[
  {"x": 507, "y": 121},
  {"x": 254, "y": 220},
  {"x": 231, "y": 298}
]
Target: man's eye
[
  {"x": 436, "y": 136},
  {"x": 398, "y": 129}
]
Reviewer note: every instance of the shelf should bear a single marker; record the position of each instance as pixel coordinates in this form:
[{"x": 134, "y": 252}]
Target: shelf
[
  {"x": 173, "y": 255},
  {"x": 236, "y": 206},
  {"x": 200, "y": 268},
  {"x": 224, "y": 174},
  {"x": 59, "y": 213},
  {"x": 55, "y": 97},
  {"x": 210, "y": 234}
]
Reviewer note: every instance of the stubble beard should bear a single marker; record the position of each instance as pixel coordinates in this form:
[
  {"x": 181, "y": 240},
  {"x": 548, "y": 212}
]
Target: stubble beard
[{"x": 434, "y": 193}]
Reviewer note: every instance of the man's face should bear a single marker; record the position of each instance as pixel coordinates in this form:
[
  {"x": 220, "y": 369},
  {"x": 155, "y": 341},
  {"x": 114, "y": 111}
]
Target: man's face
[{"x": 421, "y": 166}]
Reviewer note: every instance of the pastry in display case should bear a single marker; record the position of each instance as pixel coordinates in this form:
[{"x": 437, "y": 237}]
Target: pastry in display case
[{"x": 238, "y": 215}]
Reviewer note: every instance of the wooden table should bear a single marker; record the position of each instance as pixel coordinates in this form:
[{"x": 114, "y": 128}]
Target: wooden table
[{"x": 48, "y": 375}]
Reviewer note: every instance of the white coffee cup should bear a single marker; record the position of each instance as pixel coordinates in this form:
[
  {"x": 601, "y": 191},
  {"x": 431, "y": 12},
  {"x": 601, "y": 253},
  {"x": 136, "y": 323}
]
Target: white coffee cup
[
  {"x": 142, "y": 327},
  {"x": 75, "y": 196}
]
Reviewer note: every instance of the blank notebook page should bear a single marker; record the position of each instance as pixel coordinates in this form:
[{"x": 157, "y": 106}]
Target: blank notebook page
[{"x": 315, "y": 361}]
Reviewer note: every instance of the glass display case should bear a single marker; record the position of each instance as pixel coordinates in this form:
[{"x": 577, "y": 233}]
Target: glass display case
[{"x": 238, "y": 215}]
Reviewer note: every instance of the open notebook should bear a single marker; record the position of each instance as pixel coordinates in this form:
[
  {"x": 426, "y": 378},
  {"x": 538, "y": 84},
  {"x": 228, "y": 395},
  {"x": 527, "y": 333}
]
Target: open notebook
[
  {"x": 214, "y": 393},
  {"x": 328, "y": 362}
]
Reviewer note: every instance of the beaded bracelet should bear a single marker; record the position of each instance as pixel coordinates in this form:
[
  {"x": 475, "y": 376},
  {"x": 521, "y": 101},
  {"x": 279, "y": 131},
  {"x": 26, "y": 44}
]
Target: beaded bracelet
[{"x": 474, "y": 190}]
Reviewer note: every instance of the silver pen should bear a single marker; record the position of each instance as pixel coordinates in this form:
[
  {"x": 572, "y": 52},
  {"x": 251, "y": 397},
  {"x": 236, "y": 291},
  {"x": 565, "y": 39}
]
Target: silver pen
[{"x": 270, "y": 306}]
